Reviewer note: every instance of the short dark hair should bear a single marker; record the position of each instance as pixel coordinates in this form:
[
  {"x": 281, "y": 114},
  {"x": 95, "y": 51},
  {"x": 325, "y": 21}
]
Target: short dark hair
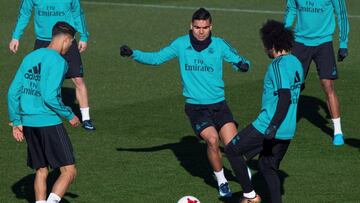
[
  {"x": 275, "y": 35},
  {"x": 201, "y": 14},
  {"x": 63, "y": 28}
]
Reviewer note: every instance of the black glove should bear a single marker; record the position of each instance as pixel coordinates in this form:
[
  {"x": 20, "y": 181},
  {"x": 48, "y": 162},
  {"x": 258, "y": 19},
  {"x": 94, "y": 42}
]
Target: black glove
[
  {"x": 342, "y": 54},
  {"x": 243, "y": 67},
  {"x": 270, "y": 132},
  {"x": 125, "y": 51}
]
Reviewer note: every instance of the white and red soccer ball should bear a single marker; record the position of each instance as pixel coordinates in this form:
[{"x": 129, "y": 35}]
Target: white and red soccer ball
[{"x": 188, "y": 199}]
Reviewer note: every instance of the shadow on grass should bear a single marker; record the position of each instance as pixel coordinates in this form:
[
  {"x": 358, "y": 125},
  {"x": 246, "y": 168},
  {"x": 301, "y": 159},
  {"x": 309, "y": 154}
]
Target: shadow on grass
[
  {"x": 259, "y": 184},
  {"x": 24, "y": 188},
  {"x": 309, "y": 108},
  {"x": 353, "y": 142},
  {"x": 69, "y": 99},
  {"x": 192, "y": 156}
]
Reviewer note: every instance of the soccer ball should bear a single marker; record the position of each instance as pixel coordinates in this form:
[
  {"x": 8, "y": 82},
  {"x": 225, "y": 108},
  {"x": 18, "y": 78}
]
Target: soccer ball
[{"x": 188, "y": 199}]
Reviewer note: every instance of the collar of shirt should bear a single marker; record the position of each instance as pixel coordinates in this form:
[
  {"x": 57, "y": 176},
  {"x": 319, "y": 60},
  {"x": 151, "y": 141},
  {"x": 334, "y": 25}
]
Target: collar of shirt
[{"x": 199, "y": 45}]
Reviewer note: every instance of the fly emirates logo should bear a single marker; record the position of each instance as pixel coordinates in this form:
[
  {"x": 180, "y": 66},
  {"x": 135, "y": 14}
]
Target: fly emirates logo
[
  {"x": 199, "y": 65},
  {"x": 310, "y": 7},
  {"x": 50, "y": 11}
]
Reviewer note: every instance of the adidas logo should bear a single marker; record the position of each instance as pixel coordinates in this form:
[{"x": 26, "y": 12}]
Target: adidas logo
[
  {"x": 199, "y": 126},
  {"x": 334, "y": 73},
  {"x": 34, "y": 73},
  {"x": 297, "y": 82}
]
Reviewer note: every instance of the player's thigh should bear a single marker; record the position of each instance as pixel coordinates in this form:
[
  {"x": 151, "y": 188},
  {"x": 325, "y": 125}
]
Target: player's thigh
[
  {"x": 211, "y": 136},
  {"x": 199, "y": 117},
  {"x": 228, "y": 132},
  {"x": 328, "y": 86},
  {"x": 325, "y": 61},
  {"x": 248, "y": 142},
  {"x": 35, "y": 150},
  {"x": 58, "y": 148},
  {"x": 224, "y": 122},
  {"x": 304, "y": 54},
  {"x": 70, "y": 169},
  {"x": 74, "y": 60}
]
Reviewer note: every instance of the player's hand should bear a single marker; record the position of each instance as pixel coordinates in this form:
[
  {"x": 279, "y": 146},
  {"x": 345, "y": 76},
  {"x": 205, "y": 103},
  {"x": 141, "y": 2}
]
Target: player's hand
[
  {"x": 342, "y": 54},
  {"x": 125, "y": 51},
  {"x": 14, "y": 45},
  {"x": 243, "y": 67},
  {"x": 270, "y": 132},
  {"x": 74, "y": 121},
  {"x": 82, "y": 46},
  {"x": 17, "y": 132}
]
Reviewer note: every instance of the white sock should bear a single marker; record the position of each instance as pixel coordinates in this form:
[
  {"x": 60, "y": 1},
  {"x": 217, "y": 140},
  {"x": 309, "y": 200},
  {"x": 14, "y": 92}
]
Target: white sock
[
  {"x": 85, "y": 113},
  {"x": 337, "y": 126},
  {"x": 250, "y": 195},
  {"x": 220, "y": 177},
  {"x": 40, "y": 201},
  {"x": 53, "y": 198}
]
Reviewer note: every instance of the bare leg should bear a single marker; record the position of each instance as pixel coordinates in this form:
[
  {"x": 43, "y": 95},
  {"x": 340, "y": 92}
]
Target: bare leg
[
  {"x": 228, "y": 132},
  {"x": 81, "y": 92},
  {"x": 67, "y": 176},
  {"x": 331, "y": 98},
  {"x": 40, "y": 183},
  {"x": 211, "y": 138}
]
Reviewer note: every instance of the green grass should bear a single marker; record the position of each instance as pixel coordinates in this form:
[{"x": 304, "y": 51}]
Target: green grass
[{"x": 144, "y": 149}]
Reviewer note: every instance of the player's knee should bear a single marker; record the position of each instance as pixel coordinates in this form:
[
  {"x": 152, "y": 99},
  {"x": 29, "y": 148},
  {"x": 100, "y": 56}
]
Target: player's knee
[
  {"x": 213, "y": 142},
  {"x": 79, "y": 82},
  {"x": 42, "y": 172},
  {"x": 72, "y": 173},
  {"x": 328, "y": 87},
  {"x": 69, "y": 171}
]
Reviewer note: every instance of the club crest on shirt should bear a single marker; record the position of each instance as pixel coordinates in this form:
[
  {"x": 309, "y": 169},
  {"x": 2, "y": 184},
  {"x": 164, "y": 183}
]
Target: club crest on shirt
[{"x": 211, "y": 50}]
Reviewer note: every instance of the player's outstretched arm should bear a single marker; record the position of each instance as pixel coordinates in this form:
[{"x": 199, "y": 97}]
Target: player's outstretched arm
[
  {"x": 230, "y": 54},
  {"x": 151, "y": 58}
]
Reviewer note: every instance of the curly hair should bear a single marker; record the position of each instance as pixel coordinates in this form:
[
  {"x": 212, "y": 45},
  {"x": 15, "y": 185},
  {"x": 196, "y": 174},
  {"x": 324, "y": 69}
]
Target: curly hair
[{"x": 275, "y": 35}]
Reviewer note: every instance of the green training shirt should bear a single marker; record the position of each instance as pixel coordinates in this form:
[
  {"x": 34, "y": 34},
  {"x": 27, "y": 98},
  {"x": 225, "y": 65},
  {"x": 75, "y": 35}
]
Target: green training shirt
[
  {"x": 34, "y": 97},
  {"x": 46, "y": 14},
  {"x": 315, "y": 22},
  {"x": 201, "y": 72},
  {"x": 285, "y": 72}
]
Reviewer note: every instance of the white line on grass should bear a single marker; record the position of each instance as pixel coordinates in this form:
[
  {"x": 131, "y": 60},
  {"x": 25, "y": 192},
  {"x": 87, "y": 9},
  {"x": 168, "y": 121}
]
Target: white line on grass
[{"x": 189, "y": 8}]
